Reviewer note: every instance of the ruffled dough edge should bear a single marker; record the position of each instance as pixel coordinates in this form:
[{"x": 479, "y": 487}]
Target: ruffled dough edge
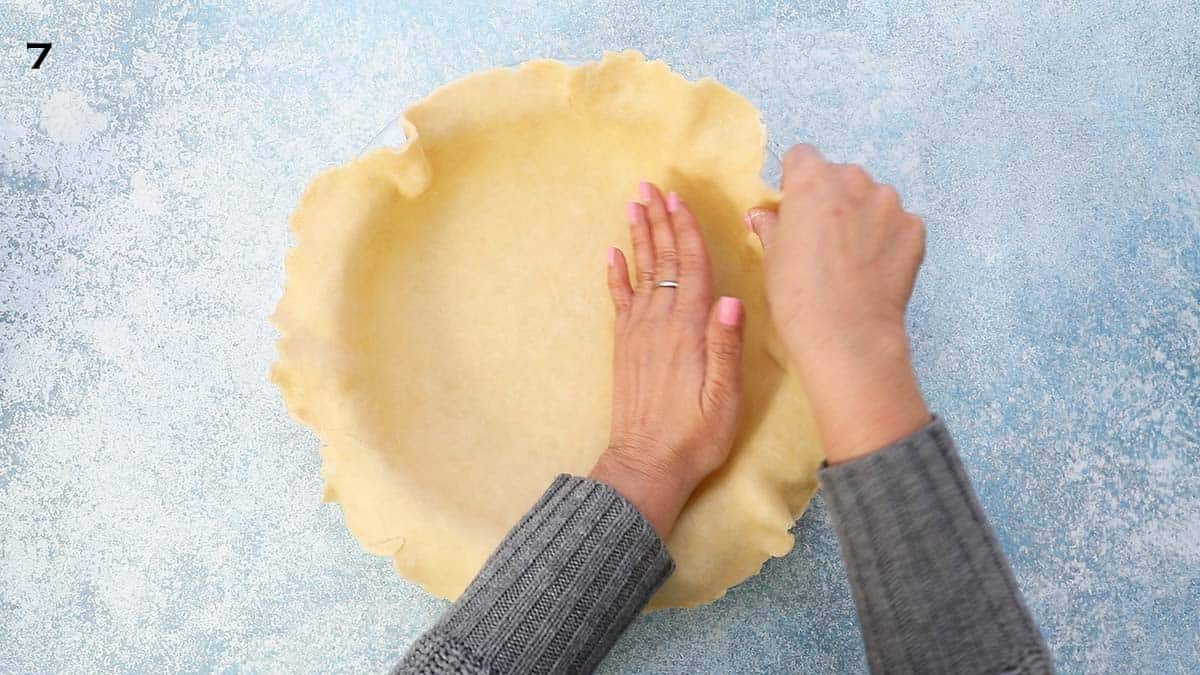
[{"x": 312, "y": 375}]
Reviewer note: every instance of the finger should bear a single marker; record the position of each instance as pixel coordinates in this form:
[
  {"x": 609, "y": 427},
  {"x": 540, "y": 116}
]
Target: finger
[
  {"x": 618, "y": 283},
  {"x": 723, "y": 366},
  {"x": 695, "y": 271},
  {"x": 799, "y": 166},
  {"x": 643, "y": 247},
  {"x": 764, "y": 223},
  {"x": 666, "y": 255}
]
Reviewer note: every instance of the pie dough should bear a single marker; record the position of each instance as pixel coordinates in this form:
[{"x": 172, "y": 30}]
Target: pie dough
[{"x": 446, "y": 330}]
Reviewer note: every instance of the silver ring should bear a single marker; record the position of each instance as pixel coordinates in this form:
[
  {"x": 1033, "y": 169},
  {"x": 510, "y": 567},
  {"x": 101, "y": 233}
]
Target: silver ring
[{"x": 667, "y": 284}]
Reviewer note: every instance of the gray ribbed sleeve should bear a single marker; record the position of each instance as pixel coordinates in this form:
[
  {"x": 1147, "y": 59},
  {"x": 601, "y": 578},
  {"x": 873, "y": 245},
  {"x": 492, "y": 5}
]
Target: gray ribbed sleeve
[
  {"x": 556, "y": 594},
  {"x": 933, "y": 590}
]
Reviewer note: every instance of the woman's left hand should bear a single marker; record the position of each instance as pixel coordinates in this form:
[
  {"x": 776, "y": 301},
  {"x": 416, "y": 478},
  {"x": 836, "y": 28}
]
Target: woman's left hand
[{"x": 677, "y": 364}]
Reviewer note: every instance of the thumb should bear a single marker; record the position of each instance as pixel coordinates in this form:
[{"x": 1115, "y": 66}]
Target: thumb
[
  {"x": 723, "y": 368},
  {"x": 763, "y": 222}
]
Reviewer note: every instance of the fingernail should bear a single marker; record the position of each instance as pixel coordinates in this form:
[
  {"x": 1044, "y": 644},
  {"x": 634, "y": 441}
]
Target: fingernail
[
  {"x": 672, "y": 202},
  {"x": 729, "y": 311},
  {"x": 749, "y": 220},
  {"x": 634, "y": 211},
  {"x": 612, "y": 255},
  {"x": 644, "y": 191}
]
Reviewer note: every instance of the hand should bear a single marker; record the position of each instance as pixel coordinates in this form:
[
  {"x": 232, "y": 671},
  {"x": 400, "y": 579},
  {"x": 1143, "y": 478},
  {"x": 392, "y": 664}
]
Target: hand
[
  {"x": 676, "y": 364},
  {"x": 840, "y": 259}
]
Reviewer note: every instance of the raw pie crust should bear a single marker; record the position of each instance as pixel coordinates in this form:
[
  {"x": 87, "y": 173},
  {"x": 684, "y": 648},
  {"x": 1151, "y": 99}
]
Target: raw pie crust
[{"x": 445, "y": 326}]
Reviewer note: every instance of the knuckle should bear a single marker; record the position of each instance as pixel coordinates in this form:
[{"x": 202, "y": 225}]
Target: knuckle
[
  {"x": 668, "y": 257},
  {"x": 799, "y": 180},
  {"x": 793, "y": 154},
  {"x": 800, "y": 154},
  {"x": 725, "y": 350},
  {"x": 691, "y": 259},
  {"x": 801, "y": 168},
  {"x": 888, "y": 197},
  {"x": 720, "y": 393},
  {"x": 915, "y": 225},
  {"x": 856, "y": 178}
]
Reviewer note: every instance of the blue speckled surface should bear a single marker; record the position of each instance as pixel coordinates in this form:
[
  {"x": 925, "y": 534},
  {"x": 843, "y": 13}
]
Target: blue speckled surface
[{"x": 158, "y": 510}]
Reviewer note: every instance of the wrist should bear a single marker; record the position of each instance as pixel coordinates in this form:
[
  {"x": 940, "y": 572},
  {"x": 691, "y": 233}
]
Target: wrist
[
  {"x": 657, "y": 492},
  {"x": 849, "y": 342},
  {"x": 863, "y": 395}
]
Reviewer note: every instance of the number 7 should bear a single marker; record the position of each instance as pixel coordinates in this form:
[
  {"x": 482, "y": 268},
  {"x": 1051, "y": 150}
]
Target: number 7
[{"x": 44, "y": 46}]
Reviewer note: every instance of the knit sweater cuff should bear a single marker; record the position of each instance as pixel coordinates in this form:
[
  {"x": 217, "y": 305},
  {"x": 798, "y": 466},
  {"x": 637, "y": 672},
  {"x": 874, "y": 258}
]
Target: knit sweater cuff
[
  {"x": 933, "y": 589},
  {"x": 556, "y": 594}
]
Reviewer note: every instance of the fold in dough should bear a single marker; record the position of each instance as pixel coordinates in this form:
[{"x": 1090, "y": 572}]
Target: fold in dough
[{"x": 446, "y": 330}]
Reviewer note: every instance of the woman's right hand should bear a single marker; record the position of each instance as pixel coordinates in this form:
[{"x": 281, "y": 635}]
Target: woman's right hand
[{"x": 841, "y": 258}]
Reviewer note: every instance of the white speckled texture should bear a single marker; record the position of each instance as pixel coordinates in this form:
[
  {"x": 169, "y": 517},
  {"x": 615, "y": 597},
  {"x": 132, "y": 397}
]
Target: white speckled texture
[{"x": 159, "y": 511}]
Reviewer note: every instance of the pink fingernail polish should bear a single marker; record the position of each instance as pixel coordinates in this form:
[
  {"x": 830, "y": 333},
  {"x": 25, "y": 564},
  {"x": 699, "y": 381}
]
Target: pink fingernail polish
[
  {"x": 729, "y": 311},
  {"x": 749, "y": 222},
  {"x": 634, "y": 212},
  {"x": 672, "y": 202},
  {"x": 645, "y": 192},
  {"x": 612, "y": 255}
]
